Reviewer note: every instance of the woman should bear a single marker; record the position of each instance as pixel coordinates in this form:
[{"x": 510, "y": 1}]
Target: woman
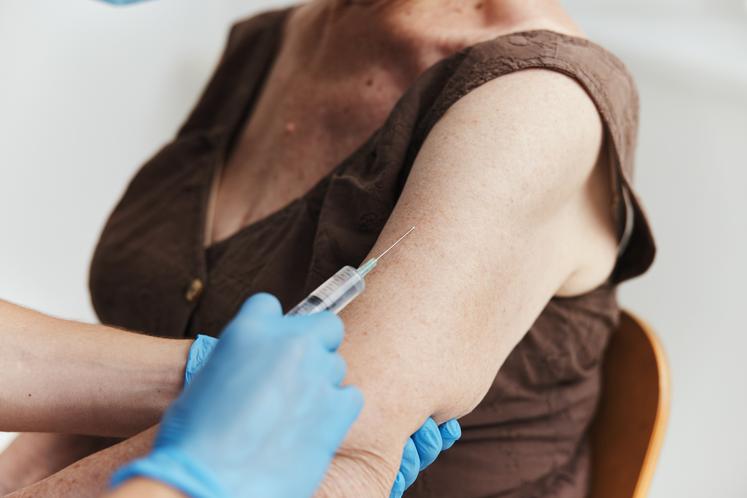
[{"x": 330, "y": 128}]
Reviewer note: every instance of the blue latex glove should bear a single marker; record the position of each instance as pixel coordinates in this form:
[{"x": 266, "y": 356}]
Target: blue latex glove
[
  {"x": 199, "y": 352},
  {"x": 265, "y": 415},
  {"x": 422, "y": 449}
]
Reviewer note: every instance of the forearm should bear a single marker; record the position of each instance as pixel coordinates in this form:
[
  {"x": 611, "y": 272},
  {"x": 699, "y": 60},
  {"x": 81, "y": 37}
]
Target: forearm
[
  {"x": 32, "y": 457},
  {"x": 63, "y": 376},
  {"x": 89, "y": 478}
]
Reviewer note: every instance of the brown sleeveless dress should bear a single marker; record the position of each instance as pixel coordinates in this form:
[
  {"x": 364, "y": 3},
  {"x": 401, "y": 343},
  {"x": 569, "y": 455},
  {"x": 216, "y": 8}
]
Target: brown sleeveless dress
[{"x": 151, "y": 272}]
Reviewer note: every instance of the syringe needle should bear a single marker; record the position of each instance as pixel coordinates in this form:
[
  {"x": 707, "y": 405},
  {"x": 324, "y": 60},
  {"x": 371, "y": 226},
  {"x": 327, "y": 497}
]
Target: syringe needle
[
  {"x": 393, "y": 245},
  {"x": 369, "y": 265}
]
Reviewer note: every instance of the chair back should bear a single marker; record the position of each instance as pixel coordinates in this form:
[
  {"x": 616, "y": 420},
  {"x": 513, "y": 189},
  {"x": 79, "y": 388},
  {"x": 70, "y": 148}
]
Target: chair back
[{"x": 628, "y": 429}]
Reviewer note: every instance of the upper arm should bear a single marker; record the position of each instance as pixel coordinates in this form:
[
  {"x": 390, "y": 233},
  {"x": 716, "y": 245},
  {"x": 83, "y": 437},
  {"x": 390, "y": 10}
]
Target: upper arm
[{"x": 499, "y": 195}]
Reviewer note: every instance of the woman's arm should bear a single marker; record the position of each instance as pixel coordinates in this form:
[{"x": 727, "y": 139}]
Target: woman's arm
[
  {"x": 73, "y": 378},
  {"x": 89, "y": 477},
  {"x": 510, "y": 210},
  {"x": 33, "y": 456}
]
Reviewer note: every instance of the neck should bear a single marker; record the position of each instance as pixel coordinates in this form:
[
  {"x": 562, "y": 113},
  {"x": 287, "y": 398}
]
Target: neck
[
  {"x": 406, "y": 36},
  {"x": 438, "y": 24},
  {"x": 501, "y": 13}
]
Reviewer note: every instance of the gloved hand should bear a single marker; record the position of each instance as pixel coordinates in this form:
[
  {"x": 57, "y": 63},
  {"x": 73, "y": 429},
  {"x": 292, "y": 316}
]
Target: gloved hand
[
  {"x": 264, "y": 416},
  {"x": 199, "y": 352},
  {"x": 422, "y": 449}
]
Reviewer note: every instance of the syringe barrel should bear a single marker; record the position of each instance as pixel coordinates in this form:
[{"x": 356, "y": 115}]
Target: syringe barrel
[{"x": 334, "y": 294}]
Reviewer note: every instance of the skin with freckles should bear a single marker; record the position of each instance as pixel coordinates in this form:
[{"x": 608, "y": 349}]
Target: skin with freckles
[{"x": 529, "y": 204}]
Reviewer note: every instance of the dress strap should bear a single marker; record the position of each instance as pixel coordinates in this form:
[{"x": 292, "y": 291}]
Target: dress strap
[{"x": 238, "y": 79}]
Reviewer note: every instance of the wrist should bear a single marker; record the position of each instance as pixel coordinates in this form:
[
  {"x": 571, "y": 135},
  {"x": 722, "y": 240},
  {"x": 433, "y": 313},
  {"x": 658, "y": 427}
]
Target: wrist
[
  {"x": 166, "y": 366},
  {"x": 179, "y": 351}
]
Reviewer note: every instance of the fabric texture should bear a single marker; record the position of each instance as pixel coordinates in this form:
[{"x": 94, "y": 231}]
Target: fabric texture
[{"x": 151, "y": 272}]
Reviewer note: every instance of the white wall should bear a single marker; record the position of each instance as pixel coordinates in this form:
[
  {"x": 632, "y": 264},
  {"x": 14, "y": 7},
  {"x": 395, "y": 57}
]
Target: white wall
[
  {"x": 692, "y": 170},
  {"x": 88, "y": 92}
]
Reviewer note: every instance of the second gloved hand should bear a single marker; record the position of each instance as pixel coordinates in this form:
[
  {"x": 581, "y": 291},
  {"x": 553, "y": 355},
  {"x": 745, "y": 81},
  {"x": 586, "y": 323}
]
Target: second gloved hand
[
  {"x": 422, "y": 449},
  {"x": 265, "y": 415}
]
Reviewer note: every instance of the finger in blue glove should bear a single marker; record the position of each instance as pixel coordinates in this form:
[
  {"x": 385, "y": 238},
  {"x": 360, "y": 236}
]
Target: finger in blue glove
[
  {"x": 428, "y": 442},
  {"x": 451, "y": 431}
]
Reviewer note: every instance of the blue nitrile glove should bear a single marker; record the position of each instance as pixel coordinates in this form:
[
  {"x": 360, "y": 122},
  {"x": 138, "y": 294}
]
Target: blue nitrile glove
[
  {"x": 422, "y": 449},
  {"x": 265, "y": 415},
  {"x": 199, "y": 352}
]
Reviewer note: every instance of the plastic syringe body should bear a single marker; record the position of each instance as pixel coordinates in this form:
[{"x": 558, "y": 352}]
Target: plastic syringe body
[
  {"x": 337, "y": 292},
  {"x": 341, "y": 288}
]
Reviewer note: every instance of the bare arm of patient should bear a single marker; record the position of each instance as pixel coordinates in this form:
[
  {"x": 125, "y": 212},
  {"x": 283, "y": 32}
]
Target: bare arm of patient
[
  {"x": 510, "y": 210},
  {"x": 89, "y": 477}
]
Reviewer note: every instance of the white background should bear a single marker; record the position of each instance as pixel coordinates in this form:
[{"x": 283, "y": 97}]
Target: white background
[{"x": 88, "y": 92}]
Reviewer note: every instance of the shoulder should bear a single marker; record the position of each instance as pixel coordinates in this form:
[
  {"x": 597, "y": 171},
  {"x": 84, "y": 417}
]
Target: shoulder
[
  {"x": 566, "y": 69},
  {"x": 533, "y": 97},
  {"x": 525, "y": 150},
  {"x": 535, "y": 127}
]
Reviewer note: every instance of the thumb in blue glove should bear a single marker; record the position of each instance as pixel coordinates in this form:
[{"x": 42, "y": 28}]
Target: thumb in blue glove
[
  {"x": 199, "y": 352},
  {"x": 264, "y": 416}
]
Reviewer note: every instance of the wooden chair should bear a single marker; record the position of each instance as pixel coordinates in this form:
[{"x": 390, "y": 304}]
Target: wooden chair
[{"x": 628, "y": 430}]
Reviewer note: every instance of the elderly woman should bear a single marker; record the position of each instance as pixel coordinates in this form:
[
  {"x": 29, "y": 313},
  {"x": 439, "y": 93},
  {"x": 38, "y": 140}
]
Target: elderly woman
[{"x": 327, "y": 131}]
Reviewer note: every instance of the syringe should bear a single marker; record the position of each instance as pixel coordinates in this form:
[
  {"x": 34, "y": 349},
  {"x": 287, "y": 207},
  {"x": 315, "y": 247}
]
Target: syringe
[{"x": 341, "y": 288}]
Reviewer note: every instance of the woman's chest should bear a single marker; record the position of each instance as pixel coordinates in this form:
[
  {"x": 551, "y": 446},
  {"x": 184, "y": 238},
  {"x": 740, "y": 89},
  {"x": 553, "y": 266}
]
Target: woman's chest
[
  {"x": 151, "y": 271},
  {"x": 300, "y": 130}
]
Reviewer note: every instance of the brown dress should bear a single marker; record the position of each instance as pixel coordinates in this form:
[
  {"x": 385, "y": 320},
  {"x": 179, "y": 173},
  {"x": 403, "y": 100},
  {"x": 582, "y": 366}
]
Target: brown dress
[{"x": 151, "y": 272}]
